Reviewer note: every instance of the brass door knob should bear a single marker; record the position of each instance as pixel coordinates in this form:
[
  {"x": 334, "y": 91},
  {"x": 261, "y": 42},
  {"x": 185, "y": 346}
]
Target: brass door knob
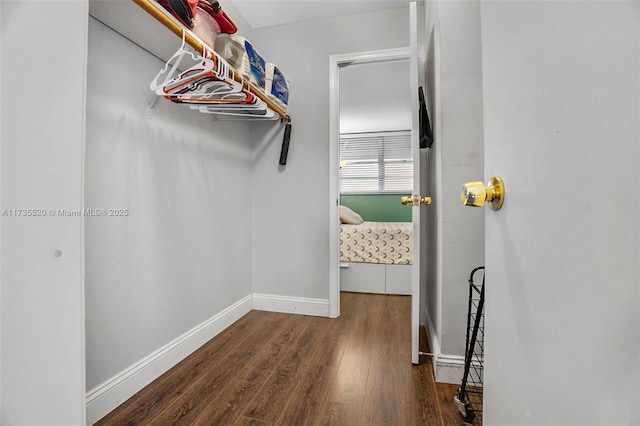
[
  {"x": 475, "y": 194},
  {"x": 415, "y": 200},
  {"x": 425, "y": 200}
]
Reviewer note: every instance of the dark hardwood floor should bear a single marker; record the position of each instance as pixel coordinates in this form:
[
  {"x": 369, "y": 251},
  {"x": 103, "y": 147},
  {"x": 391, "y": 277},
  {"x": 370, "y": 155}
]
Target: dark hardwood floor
[{"x": 281, "y": 369}]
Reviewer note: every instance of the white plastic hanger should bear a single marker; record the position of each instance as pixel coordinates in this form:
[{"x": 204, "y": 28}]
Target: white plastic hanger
[
  {"x": 208, "y": 86},
  {"x": 171, "y": 67}
]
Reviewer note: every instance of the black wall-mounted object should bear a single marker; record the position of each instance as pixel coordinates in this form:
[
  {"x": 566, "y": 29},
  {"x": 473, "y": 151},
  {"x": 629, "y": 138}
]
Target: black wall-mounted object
[
  {"x": 285, "y": 142},
  {"x": 425, "y": 132}
]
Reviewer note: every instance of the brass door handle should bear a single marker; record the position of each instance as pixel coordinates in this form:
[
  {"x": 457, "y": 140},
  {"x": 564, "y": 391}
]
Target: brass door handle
[
  {"x": 475, "y": 194},
  {"x": 415, "y": 200}
]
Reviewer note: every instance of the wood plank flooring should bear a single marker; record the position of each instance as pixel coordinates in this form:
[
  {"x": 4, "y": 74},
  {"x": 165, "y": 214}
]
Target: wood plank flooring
[{"x": 280, "y": 369}]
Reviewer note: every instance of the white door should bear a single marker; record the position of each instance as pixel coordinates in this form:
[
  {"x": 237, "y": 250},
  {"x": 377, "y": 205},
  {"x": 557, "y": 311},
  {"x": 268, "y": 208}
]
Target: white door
[
  {"x": 416, "y": 79},
  {"x": 42, "y": 337},
  {"x": 561, "y": 87}
]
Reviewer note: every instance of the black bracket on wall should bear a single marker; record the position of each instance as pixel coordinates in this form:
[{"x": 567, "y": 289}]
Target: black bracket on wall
[{"x": 285, "y": 142}]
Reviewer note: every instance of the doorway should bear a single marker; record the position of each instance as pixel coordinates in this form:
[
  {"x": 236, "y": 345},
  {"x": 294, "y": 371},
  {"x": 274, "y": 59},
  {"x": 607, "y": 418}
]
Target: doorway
[{"x": 369, "y": 96}]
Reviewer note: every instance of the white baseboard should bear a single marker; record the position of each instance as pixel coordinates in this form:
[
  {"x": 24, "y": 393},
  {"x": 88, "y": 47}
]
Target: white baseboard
[
  {"x": 449, "y": 369},
  {"x": 432, "y": 337},
  {"x": 291, "y": 305},
  {"x": 107, "y": 396}
]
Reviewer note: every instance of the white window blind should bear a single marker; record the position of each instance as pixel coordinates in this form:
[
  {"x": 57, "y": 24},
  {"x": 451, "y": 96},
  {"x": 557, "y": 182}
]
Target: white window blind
[{"x": 376, "y": 162}]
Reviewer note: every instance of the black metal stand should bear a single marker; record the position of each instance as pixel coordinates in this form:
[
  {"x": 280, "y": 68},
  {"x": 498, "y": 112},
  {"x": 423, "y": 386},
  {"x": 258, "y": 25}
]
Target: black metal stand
[{"x": 469, "y": 396}]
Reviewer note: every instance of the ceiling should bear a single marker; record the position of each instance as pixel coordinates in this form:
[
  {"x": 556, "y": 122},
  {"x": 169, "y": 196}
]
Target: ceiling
[{"x": 265, "y": 13}]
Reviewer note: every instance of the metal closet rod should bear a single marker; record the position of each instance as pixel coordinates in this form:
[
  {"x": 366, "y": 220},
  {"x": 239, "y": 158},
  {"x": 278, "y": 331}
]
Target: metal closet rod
[{"x": 154, "y": 9}]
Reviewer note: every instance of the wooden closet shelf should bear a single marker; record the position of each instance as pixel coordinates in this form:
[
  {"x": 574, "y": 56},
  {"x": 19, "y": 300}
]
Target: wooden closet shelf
[{"x": 157, "y": 12}]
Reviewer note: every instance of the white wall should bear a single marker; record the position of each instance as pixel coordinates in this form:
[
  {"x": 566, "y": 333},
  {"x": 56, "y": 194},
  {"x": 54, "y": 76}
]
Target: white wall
[
  {"x": 562, "y": 101},
  {"x": 293, "y": 197},
  {"x": 433, "y": 292},
  {"x": 42, "y": 135},
  {"x": 291, "y": 214},
  {"x": 183, "y": 253},
  {"x": 362, "y": 96},
  {"x": 457, "y": 157},
  {"x": 462, "y": 161}
]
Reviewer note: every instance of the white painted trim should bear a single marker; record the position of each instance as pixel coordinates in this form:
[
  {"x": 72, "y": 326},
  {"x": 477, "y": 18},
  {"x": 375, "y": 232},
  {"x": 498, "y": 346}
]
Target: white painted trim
[
  {"x": 335, "y": 63},
  {"x": 107, "y": 396},
  {"x": 291, "y": 305},
  {"x": 415, "y": 213},
  {"x": 1, "y": 206},
  {"x": 439, "y": 193},
  {"x": 83, "y": 349},
  {"x": 334, "y": 190},
  {"x": 434, "y": 342},
  {"x": 449, "y": 369},
  {"x": 372, "y": 56}
]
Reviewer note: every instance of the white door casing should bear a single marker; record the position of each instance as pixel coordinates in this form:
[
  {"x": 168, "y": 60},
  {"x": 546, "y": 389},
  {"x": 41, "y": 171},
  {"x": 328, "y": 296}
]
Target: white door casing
[
  {"x": 335, "y": 63},
  {"x": 416, "y": 71}
]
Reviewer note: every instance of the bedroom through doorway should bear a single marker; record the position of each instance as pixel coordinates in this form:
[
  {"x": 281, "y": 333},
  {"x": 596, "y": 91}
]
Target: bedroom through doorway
[{"x": 375, "y": 171}]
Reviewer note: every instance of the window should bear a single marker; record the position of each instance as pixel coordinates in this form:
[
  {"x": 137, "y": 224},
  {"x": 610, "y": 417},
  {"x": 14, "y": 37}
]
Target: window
[{"x": 376, "y": 162}]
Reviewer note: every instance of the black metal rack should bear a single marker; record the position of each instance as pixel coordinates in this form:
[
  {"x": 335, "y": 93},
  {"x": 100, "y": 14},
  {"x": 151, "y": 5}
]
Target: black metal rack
[{"x": 469, "y": 396}]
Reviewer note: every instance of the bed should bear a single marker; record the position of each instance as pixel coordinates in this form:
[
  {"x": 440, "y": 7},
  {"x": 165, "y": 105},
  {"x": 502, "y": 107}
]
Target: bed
[
  {"x": 376, "y": 257},
  {"x": 377, "y": 242}
]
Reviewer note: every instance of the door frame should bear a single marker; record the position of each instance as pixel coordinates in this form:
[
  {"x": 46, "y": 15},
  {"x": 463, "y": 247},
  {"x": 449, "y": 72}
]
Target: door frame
[{"x": 335, "y": 63}]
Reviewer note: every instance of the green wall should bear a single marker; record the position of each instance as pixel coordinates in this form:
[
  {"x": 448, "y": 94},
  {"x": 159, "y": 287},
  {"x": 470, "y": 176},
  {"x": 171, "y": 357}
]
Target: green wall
[{"x": 378, "y": 207}]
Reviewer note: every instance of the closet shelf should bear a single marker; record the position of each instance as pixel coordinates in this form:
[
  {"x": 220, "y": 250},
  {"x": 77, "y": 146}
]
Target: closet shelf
[{"x": 163, "y": 17}]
